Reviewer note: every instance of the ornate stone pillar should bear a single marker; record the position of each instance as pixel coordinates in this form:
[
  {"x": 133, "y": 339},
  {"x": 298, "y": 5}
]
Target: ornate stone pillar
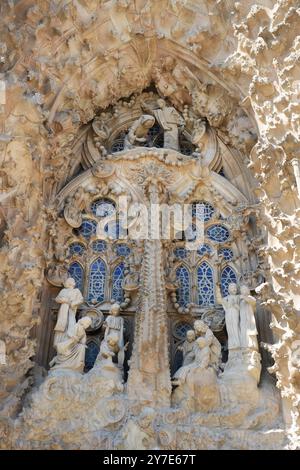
[{"x": 149, "y": 376}]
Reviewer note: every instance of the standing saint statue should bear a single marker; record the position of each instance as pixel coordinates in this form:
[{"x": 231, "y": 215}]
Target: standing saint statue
[
  {"x": 69, "y": 298},
  {"x": 248, "y": 331},
  {"x": 169, "y": 119},
  {"x": 71, "y": 351},
  {"x": 231, "y": 305},
  {"x": 114, "y": 326}
]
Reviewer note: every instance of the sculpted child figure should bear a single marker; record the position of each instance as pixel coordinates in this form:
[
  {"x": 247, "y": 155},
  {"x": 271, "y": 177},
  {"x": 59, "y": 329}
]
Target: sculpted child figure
[
  {"x": 188, "y": 347},
  {"x": 114, "y": 326}
]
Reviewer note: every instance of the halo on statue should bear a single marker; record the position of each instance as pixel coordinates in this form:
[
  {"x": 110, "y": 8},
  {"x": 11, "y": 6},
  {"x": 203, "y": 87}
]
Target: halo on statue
[{"x": 95, "y": 315}]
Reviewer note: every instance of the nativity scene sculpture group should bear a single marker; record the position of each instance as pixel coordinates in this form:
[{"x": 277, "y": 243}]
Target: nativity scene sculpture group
[{"x": 132, "y": 382}]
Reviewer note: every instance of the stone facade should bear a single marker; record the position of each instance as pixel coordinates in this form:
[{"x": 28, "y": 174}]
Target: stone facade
[{"x": 114, "y": 107}]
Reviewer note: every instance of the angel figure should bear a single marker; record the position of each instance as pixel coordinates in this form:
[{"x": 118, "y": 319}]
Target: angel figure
[{"x": 137, "y": 134}]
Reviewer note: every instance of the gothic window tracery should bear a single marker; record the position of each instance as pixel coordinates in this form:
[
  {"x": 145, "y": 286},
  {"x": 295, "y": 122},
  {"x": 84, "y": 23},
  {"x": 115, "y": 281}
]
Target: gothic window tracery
[
  {"x": 76, "y": 272},
  {"x": 228, "y": 276},
  {"x": 183, "y": 292},
  {"x": 117, "y": 278},
  {"x": 205, "y": 283},
  {"x": 218, "y": 233},
  {"x": 97, "y": 279}
]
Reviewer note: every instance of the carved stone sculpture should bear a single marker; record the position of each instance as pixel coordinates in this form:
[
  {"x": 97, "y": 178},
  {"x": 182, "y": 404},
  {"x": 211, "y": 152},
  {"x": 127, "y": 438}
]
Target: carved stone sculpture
[
  {"x": 198, "y": 388},
  {"x": 231, "y": 305},
  {"x": 73, "y": 208},
  {"x": 137, "y": 134},
  {"x": 114, "y": 326},
  {"x": 202, "y": 329},
  {"x": 69, "y": 298},
  {"x": 170, "y": 120},
  {"x": 71, "y": 351},
  {"x": 248, "y": 331},
  {"x": 188, "y": 347}
]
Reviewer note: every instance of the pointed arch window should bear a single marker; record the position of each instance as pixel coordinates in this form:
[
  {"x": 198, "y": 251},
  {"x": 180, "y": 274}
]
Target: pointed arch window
[
  {"x": 228, "y": 276},
  {"x": 183, "y": 292},
  {"x": 97, "y": 279},
  {"x": 118, "y": 275},
  {"x": 205, "y": 282},
  {"x": 76, "y": 272}
]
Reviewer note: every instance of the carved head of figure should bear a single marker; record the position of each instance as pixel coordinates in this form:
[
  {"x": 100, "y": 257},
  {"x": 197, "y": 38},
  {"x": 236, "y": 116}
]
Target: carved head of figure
[
  {"x": 115, "y": 309},
  {"x": 147, "y": 121},
  {"x": 190, "y": 336},
  {"x": 200, "y": 327},
  {"x": 85, "y": 322},
  {"x": 161, "y": 103},
  {"x": 70, "y": 283},
  {"x": 201, "y": 342},
  {"x": 232, "y": 288},
  {"x": 112, "y": 341},
  {"x": 244, "y": 290}
]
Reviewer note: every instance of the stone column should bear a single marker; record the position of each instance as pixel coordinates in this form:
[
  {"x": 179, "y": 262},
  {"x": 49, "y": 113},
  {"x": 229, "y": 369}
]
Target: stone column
[{"x": 149, "y": 376}]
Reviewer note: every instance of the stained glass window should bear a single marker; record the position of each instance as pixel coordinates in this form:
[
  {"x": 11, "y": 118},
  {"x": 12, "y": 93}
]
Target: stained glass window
[
  {"x": 76, "y": 248},
  {"x": 99, "y": 246},
  {"x": 180, "y": 252},
  {"x": 202, "y": 210},
  {"x": 122, "y": 250},
  {"x": 218, "y": 233},
  {"x": 204, "y": 249},
  {"x": 112, "y": 230},
  {"x": 76, "y": 272},
  {"x": 97, "y": 281},
  {"x": 103, "y": 208},
  {"x": 226, "y": 253},
  {"x": 155, "y": 137},
  {"x": 91, "y": 354},
  {"x": 228, "y": 276},
  {"x": 205, "y": 280},
  {"x": 117, "y": 278},
  {"x": 181, "y": 329},
  {"x": 183, "y": 292},
  {"x": 186, "y": 147},
  {"x": 87, "y": 228},
  {"x": 118, "y": 144}
]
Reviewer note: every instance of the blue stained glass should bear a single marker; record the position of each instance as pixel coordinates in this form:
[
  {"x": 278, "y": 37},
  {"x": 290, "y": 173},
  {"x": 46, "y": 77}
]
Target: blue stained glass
[
  {"x": 76, "y": 248},
  {"x": 204, "y": 249},
  {"x": 122, "y": 250},
  {"x": 118, "y": 144},
  {"x": 99, "y": 246},
  {"x": 183, "y": 292},
  {"x": 91, "y": 354},
  {"x": 117, "y": 278},
  {"x": 205, "y": 280},
  {"x": 202, "y": 210},
  {"x": 103, "y": 208},
  {"x": 180, "y": 252},
  {"x": 97, "y": 281},
  {"x": 228, "y": 276},
  {"x": 112, "y": 230},
  {"x": 226, "y": 253},
  {"x": 87, "y": 228},
  {"x": 218, "y": 233},
  {"x": 76, "y": 272}
]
